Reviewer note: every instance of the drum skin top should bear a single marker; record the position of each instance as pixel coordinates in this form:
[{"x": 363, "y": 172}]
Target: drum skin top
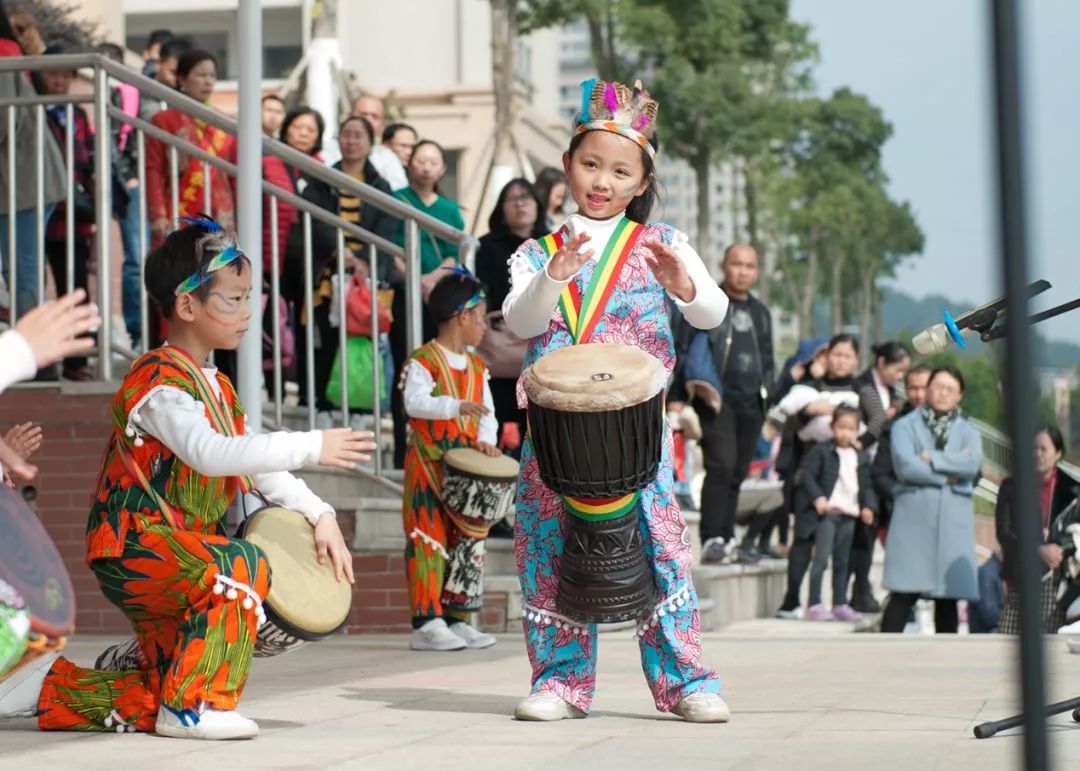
[
  {"x": 31, "y": 564},
  {"x": 474, "y": 463},
  {"x": 595, "y": 377},
  {"x": 302, "y": 592}
]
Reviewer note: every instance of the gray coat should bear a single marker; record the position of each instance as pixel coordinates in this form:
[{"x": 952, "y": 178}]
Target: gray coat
[
  {"x": 930, "y": 547},
  {"x": 13, "y": 85}
]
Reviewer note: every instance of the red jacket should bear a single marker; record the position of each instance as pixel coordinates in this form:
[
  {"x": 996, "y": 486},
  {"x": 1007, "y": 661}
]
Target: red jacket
[{"x": 275, "y": 172}]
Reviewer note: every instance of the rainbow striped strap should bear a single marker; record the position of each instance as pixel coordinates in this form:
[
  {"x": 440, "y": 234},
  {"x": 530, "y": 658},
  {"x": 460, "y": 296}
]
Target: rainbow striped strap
[
  {"x": 582, "y": 312},
  {"x": 601, "y": 509},
  {"x": 622, "y": 130}
]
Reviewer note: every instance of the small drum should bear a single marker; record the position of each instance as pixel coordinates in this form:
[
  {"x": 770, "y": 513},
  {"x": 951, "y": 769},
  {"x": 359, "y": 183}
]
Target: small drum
[
  {"x": 596, "y": 422},
  {"x": 306, "y": 602},
  {"x": 596, "y": 417},
  {"x": 31, "y": 567},
  {"x": 478, "y": 490}
]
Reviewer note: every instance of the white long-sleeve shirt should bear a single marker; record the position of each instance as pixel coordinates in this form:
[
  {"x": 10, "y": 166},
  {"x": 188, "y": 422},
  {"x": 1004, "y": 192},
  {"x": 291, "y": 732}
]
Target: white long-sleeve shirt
[
  {"x": 420, "y": 403},
  {"x": 534, "y": 293},
  {"x": 16, "y": 359},
  {"x": 178, "y": 421}
]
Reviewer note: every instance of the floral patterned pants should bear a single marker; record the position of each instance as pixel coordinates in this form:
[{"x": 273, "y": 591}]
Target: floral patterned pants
[
  {"x": 562, "y": 652},
  {"x": 195, "y": 602}
]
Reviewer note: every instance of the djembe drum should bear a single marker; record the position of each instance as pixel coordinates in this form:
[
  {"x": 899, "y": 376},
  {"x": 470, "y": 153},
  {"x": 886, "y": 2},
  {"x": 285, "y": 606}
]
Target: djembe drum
[
  {"x": 596, "y": 421},
  {"x": 306, "y": 602},
  {"x": 37, "y": 601},
  {"x": 477, "y": 491}
]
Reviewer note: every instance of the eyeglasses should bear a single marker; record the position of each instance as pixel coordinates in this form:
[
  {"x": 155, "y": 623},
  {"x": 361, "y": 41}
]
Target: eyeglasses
[
  {"x": 349, "y": 136},
  {"x": 516, "y": 199}
]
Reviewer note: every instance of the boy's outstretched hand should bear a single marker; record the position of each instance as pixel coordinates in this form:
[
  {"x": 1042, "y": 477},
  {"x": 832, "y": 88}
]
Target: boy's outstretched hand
[
  {"x": 330, "y": 544},
  {"x": 344, "y": 448},
  {"x": 471, "y": 409},
  {"x": 669, "y": 270},
  {"x": 567, "y": 261},
  {"x": 488, "y": 449},
  {"x": 53, "y": 329}
]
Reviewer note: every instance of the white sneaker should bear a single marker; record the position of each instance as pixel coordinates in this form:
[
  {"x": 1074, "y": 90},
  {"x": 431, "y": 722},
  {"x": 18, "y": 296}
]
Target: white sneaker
[
  {"x": 435, "y": 635},
  {"x": 1073, "y": 628},
  {"x": 20, "y": 688},
  {"x": 545, "y": 706},
  {"x": 323, "y": 420},
  {"x": 472, "y": 636},
  {"x": 703, "y": 708},
  {"x": 210, "y": 724}
]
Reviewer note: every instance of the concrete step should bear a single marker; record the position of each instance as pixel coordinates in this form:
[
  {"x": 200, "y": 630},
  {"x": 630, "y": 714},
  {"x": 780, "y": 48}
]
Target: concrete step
[{"x": 740, "y": 592}]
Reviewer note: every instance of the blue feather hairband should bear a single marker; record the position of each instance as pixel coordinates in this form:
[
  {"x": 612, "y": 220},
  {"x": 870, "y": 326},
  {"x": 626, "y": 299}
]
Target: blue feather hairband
[
  {"x": 463, "y": 272},
  {"x": 229, "y": 254}
]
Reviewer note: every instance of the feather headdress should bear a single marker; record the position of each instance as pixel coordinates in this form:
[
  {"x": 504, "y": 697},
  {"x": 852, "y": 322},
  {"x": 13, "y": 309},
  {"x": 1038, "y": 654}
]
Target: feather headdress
[
  {"x": 614, "y": 107},
  {"x": 215, "y": 239}
]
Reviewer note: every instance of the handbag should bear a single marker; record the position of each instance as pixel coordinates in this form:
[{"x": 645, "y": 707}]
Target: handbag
[
  {"x": 501, "y": 349},
  {"x": 358, "y": 309},
  {"x": 359, "y": 356}
]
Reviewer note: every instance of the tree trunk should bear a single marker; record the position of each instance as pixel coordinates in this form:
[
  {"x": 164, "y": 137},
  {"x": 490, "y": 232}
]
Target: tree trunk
[
  {"x": 753, "y": 236},
  {"x": 836, "y": 289},
  {"x": 876, "y": 313},
  {"x": 809, "y": 290},
  {"x": 702, "y": 170},
  {"x": 504, "y": 33},
  {"x": 601, "y": 49},
  {"x": 867, "y": 290}
]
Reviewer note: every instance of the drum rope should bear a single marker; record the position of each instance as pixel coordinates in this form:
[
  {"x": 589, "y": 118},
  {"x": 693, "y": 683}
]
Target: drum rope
[
  {"x": 434, "y": 544},
  {"x": 113, "y": 718}
]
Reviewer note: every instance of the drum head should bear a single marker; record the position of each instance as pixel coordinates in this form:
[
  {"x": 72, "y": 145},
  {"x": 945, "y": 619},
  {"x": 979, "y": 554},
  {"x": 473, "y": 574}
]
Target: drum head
[
  {"x": 596, "y": 377},
  {"x": 474, "y": 463},
  {"x": 303, "y": 594},
  {"x": 31, "y": 564}
]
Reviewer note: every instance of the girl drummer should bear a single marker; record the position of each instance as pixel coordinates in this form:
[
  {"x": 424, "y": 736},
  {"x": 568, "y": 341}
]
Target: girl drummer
[
  {"x": 155, "y": 539},
  {"x": 642, "y": 271},
  {"x": 448, "y": 401}
]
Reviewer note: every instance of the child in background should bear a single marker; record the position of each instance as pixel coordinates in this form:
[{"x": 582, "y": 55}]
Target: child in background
[
  {"x": 835, "y": 483},
  {"x": 449, "y": 404}
]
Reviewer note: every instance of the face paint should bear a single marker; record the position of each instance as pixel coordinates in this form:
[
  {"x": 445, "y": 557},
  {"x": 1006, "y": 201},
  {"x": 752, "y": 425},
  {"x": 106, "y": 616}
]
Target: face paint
[{"x": 226, "y": 310}]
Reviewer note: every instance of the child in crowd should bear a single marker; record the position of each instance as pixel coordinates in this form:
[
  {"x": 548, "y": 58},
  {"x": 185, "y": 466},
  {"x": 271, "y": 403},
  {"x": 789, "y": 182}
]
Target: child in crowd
[
  {"x": 449, "y": 404},
  {"x": 635, "y": 273},
  {"x": 177, "y": 457},
  {"x": 835, "y": 485}
]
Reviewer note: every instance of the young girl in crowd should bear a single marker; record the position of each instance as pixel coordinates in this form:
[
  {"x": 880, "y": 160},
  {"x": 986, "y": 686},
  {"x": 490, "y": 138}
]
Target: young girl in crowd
[
  {"x": 611, "y": 172},
  {"x": 836, "y": 490},
  {"x": 449, "y": 404}
]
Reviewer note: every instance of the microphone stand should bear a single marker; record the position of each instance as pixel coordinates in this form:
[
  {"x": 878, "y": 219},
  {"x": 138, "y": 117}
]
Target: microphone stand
[{"x": 995, "y": 333}]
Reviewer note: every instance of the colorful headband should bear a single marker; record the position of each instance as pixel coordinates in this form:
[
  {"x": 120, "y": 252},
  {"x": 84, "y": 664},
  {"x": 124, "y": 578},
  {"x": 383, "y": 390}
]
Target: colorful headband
[
  {"x": 215, "y": 237},
  {"x": 611, "y": 106},
  {"x": 476, "y": 299}
]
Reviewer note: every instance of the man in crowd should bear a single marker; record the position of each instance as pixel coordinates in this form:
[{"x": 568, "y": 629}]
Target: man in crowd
[
  {"x": 740, "y": 368},
  {"x": 401, "y": 138},
  {"x": 152, "y": 54},
  {"x": 273, "y": 114},
  {"x": 383, "y": 158}
]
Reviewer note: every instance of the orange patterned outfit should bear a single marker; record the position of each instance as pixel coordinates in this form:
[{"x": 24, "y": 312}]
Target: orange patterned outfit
[
  {"x": 156, "y": 543},
  {"x": 431, "y": 537}
]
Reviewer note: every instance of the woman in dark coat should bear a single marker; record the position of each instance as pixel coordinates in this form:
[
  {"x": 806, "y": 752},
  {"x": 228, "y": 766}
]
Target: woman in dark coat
[
  {"x": 1057, "y": 490},
  {"x": 515, "y": 219}
]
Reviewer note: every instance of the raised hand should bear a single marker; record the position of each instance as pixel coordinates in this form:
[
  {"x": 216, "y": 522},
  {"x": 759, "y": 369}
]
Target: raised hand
[
  {"x": 330, "y": 544},
  {"x": 25, "y": 439},
  {"x": 567, "y": 261},
  {"x": 344, "y": 448},
  {"x": 15, "y": 465},
  {"x": 669, "y": 270},
  {"x": 53, "y": 329}
]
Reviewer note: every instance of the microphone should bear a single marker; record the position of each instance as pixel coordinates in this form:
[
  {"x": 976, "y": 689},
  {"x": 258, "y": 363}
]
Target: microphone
[{"x": 935, "y": 339}]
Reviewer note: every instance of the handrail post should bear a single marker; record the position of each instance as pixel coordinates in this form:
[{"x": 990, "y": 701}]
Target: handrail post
[
  {"x": 103, "y": 216},
  {"x": 414, "y": 321},
  {"x": 249, "y": 202}
]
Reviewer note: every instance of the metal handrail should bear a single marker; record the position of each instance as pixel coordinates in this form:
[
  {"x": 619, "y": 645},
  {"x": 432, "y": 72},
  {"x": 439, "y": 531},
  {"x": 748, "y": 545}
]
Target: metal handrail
[{"x": 305, "y": 163}]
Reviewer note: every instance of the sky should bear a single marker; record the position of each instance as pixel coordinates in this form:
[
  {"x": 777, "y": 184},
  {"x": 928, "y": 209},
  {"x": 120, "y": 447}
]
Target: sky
[{"x": 927, "y": 65}]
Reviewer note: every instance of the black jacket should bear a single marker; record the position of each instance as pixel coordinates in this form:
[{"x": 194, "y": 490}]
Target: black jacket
[
  {"x": 492, "y": 258},
  {"x": 684, "y": 332},
  {"x": 324, "y": 236},
  {"x": 817, "y": 479},
  {"x": 883, "y": 473},
  {"x": 1066, "y": 491}
]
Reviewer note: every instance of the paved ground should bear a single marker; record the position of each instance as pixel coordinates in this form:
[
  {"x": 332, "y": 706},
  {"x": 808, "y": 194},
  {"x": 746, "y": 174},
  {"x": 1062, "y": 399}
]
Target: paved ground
[{"x": 822, "y": 701}]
